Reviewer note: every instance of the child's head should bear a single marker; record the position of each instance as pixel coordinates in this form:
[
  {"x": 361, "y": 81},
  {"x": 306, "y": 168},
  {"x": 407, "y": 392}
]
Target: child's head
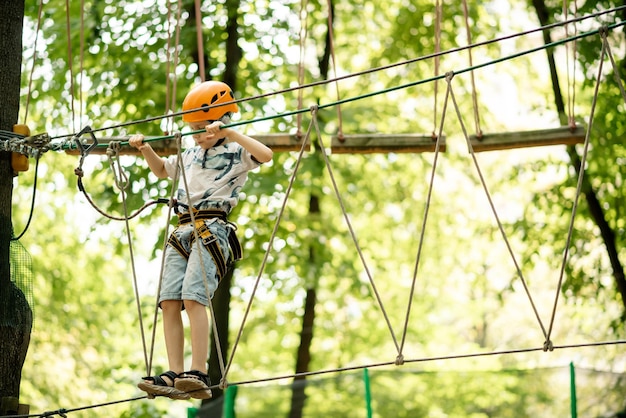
[{"x": 209, "y": 93}]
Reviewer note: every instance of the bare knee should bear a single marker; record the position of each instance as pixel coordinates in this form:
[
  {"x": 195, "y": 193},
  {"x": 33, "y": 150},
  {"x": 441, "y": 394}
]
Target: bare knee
[
  {"x": 171, "y": 305},
  {"x": 192, "y": 306}
]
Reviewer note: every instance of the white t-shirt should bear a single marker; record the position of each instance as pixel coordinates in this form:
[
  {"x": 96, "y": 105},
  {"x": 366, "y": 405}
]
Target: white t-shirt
[{"x": 214, "y": 176}]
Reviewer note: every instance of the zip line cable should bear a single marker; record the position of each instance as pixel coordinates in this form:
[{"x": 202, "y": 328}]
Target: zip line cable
[
  {"x": 62, "y": 412},
  {"x": 382, "y": 68},
  {"x": 67, "y": 146}
]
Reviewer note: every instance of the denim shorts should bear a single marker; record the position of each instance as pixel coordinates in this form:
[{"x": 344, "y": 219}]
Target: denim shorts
[{"x": 194, "y": 278}]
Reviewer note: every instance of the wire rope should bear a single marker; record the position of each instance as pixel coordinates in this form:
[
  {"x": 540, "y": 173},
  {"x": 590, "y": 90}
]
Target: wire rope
[
  {"x": 267, "y": 252},
  {"x": 121, "y": 181},
  {"x": 354, "y": 237},
  {"x": 331, "y": 43},
  {"x": 32, "y": 202},
  {"x": 494, "y": 211},
  {"x": 579, "y": 184},
  {"x": 63, "y": 412},
  {"x": 166, "y": 234},
  {"x": 382, "y": 68},
  {"x": 34, "y": 59},
  {"x": 437, "y": 58},
  {"x": 550, "y": 347},
  {"x": 468, "y": 34},
  {"x": 70, "y": 61},
  {"x": 425, "y": 218}
]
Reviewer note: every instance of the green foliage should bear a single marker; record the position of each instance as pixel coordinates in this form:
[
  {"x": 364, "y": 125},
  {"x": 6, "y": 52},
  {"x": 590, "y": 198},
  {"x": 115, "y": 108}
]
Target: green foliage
[{"x": 465, "y": 294}]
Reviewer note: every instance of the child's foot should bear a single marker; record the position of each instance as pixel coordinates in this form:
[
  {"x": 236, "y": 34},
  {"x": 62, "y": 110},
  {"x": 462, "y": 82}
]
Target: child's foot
[
  {"x": 194, "y": 383},
  {"x": 162, "y": 385}
]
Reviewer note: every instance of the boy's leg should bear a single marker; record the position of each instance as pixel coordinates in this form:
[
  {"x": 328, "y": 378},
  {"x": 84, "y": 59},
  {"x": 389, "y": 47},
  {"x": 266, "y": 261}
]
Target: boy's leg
[
  {"x": 196, "y": 382},
  {"x": 199, "y": 324},
  {"x": 174, "y": 334},
  {"x": 163, "y": 384}
]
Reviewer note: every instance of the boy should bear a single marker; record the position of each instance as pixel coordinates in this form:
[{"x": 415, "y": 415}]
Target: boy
[{"x": 216, "y": 169}]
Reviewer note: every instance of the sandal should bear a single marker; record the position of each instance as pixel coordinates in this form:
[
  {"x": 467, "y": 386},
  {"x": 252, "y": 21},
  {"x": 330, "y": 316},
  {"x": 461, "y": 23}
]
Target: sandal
[
  {"x": 194, "y": 383},
  {"x": 160, "y": 387}
]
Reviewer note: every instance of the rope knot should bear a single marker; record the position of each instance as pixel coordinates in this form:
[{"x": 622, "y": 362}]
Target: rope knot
[
  {"x": 548, "y": 346},
  {"x": 399, "y": 360},
  {"x": 114, "y": 148},
  {"x": 178, "y": 137}
]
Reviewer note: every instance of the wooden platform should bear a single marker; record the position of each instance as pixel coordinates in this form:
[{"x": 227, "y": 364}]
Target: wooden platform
[
  {"x": 381, "y": 143},
  {"x": 374, "y": 143},
  {"x": 564, "y": 135},
  {"x": 165, "y": 147}
]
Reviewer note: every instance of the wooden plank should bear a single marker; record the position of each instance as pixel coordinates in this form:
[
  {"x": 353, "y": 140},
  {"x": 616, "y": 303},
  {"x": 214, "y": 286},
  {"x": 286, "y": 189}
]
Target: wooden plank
[
  {"x": 166, "y": 147},
  {"x": 564, "y": 135},
  {"x": 382, "y": 143},
  {"x": 282, "y": 142}
]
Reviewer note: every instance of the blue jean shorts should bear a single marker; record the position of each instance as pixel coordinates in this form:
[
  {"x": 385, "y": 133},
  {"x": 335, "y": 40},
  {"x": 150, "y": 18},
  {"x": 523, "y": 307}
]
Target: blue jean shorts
[{"x": 194, "y": 278}]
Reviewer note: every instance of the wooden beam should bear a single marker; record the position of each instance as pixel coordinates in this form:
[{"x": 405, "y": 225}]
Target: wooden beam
[
  {"x": 282, "y": 142},
  {"x": 166, "y": 147},
  {"x": 564, "y": 135},
  {"x": 382, "y": 143}
]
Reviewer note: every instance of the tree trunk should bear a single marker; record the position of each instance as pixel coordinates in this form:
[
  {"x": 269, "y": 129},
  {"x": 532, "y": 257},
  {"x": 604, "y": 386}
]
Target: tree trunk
[
  {"x": 303, "y": 358},
  {"x": 595, "y": 207},
  {"x": 233, "y": 51},
  {"x": 15, "y": 314}
]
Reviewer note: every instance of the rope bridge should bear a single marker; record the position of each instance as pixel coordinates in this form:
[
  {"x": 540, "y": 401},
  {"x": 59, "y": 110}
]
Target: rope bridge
[{"x": 35, "y": 146}]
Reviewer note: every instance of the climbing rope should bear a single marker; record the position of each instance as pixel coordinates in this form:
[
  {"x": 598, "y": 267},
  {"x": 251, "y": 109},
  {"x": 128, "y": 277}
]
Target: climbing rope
[
  {"x": 84, "y": 152},
  {"x": 121, "y": 181},
  {"x": 69, "y": 61},
  {"x": 34, "y": 59},
  {"x": 32, "y": 202},
  {"x": 174, "y": 186},
  {"x": 581, "y": 171},
  {"x": 468, "y": 33},
  {"x": 425, "y": 218},
  {"x": 331, "y": 43},
  {"x": 200, "y": 40},
  {"x": 302, "y": 44},
  {"x": 492, "y": 206},
  {"x": 382, "y": 68},
  {"x": 437, "y": 59},
  {"x": 353, "y": 234},
  {"x": 570, "y": 65},
  {"x": 198, "y": 243},
  {"x": 62, "y": 412},
  {"x": 303, "y": 147}
]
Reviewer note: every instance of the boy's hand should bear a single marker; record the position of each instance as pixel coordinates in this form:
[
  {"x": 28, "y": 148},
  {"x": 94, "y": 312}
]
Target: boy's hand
[
  {"x": 137, "y": 141},
  {"x": 214, "y": 131}
]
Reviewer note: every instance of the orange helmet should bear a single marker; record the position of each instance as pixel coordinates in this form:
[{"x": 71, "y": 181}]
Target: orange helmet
[{"x": 209, "y": 93}]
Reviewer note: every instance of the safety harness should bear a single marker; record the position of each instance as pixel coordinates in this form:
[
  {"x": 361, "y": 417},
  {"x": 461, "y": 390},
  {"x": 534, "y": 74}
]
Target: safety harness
[{"x": 209, "y": 240}]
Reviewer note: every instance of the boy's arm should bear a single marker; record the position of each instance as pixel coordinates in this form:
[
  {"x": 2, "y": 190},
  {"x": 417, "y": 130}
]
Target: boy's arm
[
  {"x": 155, "y": 162},
  {"x": 259, "y": 151}
]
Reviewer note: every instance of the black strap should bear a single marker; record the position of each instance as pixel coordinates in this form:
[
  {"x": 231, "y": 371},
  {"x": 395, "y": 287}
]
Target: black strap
[
  {"x": 235, "y": 245},
  {"x": 185, "y": 218},
  {"x": 210, "y": 242},
  {"x": 176, "y": 244}
]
